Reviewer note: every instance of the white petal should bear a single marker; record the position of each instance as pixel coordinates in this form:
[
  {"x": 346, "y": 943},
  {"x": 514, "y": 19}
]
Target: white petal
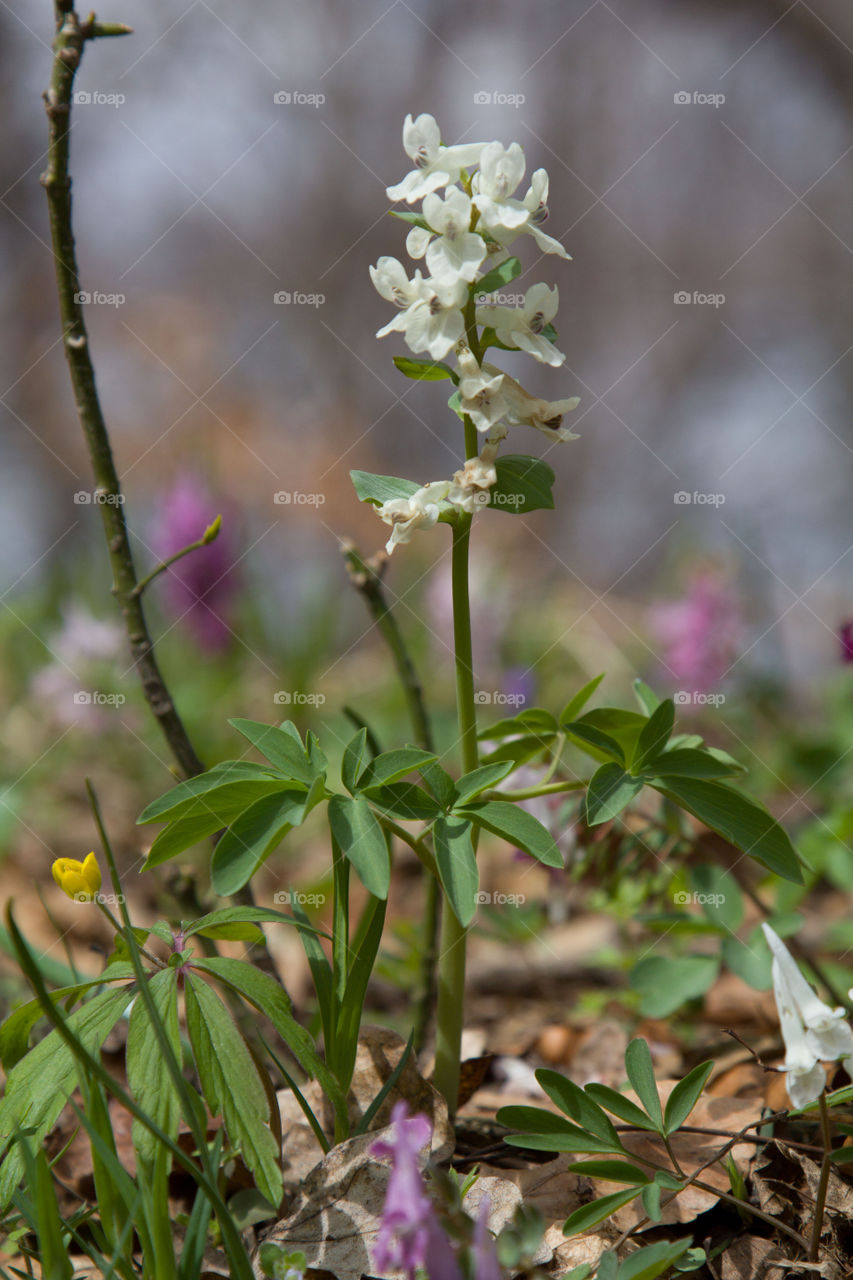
[
  {"x": 458, "y": 259},
  {"x": 805, "y": 1086},
  {"x": 417, "y": 241},
  {"x": 547, "y": 243},
  {"x": 421, "y": 135}
]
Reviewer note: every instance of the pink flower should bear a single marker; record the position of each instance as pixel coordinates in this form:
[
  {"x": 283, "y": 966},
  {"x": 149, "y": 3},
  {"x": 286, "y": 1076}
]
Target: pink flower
[
  {"x": 486, "y": 1262},
  {"x": 845, "y": 635},
  {"x": 700, "y": 633},
  {"x": 200, "y": 587},
  {"x": 410, "y": 1235}
]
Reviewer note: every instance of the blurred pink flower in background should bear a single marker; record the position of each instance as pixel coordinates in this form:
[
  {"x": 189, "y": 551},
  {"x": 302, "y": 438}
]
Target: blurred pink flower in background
[
  {"x": 845, "y": 636},
  {"x": 701, "y": 633},
  {"x": 81, "y": 649},
  {"x": 200, "y": 589}
]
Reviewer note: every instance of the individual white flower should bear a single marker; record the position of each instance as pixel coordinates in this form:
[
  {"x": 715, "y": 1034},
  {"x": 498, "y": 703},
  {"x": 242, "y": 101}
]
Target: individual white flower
[
  {"x": 435, "y": 165},
  {"x": 470, "y": 488},
  {"x": 480, "y": 394},
  {"x": 453, "y": 251},
  {"x": 545, "y": 415},
  {"x": 420, "y": 511},
  {"x": 522, "y": 326},
  {"x": 390, "y": 280},
  {"x": 501, "y": 170},
  {"x": 827, "y": 1031},
  {"x": 805, "y": 1078},
  {"x": 433, "y": 320}
]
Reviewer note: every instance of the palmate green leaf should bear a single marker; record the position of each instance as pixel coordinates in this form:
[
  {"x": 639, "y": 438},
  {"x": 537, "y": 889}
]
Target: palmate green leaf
[
  {"x": 523, "y": 484},
  {"x": 544, "y": 1131},
  {"x": 666, "y": 983},
  {"x": 271, "y": 999},
  {"x": 391, "y": 766},
  {"x": 38, "y": 1087},
  {"x": 655, "y": 734},
  {"x": 251, "y": 838},
  {"x": 580, "y": 1106},
  {"x": 739, "y": 820},
  {"x": 641, "y": 1073},
  {"x": 589, "y": 1215},
  {"x": 231, "y": 1084},
  {"x": 421, "y": 370},
  {"x": 609, "y": 791},
  {"x": 685, "y": 1095},
  {"x": 520, "y": 828},
  {"x": 15, "y": 1031},
  {"x": 231, "y": 772},
  {"x": 281, "y": 747},
  {"x": 362, "y": 841},
  {"x": 148, "y": 1076},
  {"x": 457, "y": 866}
]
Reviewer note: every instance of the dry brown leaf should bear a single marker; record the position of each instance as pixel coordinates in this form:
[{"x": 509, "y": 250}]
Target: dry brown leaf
[{"x": 748, "y": 1258}]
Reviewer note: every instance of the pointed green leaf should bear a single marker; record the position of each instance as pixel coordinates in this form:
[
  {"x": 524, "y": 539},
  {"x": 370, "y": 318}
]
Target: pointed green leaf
[
  {"x": 654, "y": 1259},
  {"x": 425, "y": 370},
  {"x": 544, "y": 1131},
  {"x": 457, "y": 866},
  {"x": 440, "y": 783},
  {"x": 579, "y": 701},
  {"x": 356, "y": 758},
  {"x": 362, "y": 841},
  {"x": 685, "y": 1095},
  {"x": 579, "y": 1106},
  {"x": 235, "y": 778},
  {"x": 251, "y": 838},
  {"x": 609, "y": 791},
  {"x": 404, "y": 800},
  {"x": 148, "y": 1076},
  {"x": 524, "y": 484},
  {"x": 610, "y": 1170},
  {"x": 471, "y": 784},
  {"x": 496, "y": 279},
  {"x": 641, "y": 1073},
  {"x": 391, "y": 766},
  {"x": 589, "y": 1215},
  {"x": 15, "y": 1031},
  {"x": 520, "y": 828},
  {"x": 655, "y": 734},
  {"x": 620, "y": 1106},
  {"x": 279, "y": 747},
  {"x": 594, "y": 742},
  {"x": 647, "y": 698},
  {"x": 233, "y": 915},
  {"x": 688, "y": 762}
]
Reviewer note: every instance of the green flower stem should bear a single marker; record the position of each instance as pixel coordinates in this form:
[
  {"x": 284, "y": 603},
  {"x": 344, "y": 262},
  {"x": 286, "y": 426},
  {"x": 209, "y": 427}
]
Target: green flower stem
[{"x": 451, "y": 963}]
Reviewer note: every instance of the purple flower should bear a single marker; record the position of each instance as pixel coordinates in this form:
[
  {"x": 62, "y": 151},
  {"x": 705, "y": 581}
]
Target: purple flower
[
  {"x": 410, "y": 1235},
  {"x": 200, "y": 588},
  {"x": 845, "y": 635},
  {"x": 486, "y": 1265},
  {"x": 701, "y": 632}
]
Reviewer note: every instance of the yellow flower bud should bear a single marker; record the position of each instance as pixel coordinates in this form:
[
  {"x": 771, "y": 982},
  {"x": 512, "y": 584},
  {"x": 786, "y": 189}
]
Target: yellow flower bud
[{"x": 80, "y": 880}]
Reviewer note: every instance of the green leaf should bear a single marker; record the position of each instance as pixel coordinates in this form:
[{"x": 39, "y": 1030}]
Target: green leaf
[
  {"x": 416, "y": 219},
  {"x": 231, "y": 1084},
  {"x": 655, "y": 734},
  {"x": 457, "y": 866},
  {"x": 391, "y": 766},
  {"x": 518, "y": 750},
  {"x": 15, "y": 1031},
  {"x": 647, "y": 698},
  {"x": 380, "y": 489},
  {"x": 623, "y": 727},
  {"x": 497, "y": 278},
  {"x": 230, "y": 777},
  {"x": 579, "y": 701},
  {"x": 665, "y": 983},
  {"x": 523, "y": 484},
  {"x": 594, "y": 742},
  {"x": 235, "y": 915},
  {"x": 251, "y": 838},
  {"x": 365, "y": 946},
  {"x": 641, "y": 1073},
  {"x": 687, "y": 762},
  {"x": 544, "y": 1131},
  {"x": 355, "y": 760},
  {"x": 38, "y": 1087},
  {"x": 425, "y": 370},
  {"x": 738, "y": 820},
  {"x": 609, "y": 791},
  {"x": 181, "y": 834},
  {"x": 272, "y": 1000},
  {"x": 440, "y": 784},
  {"x": 685, "y": 1095},
  {"x": 516, "y": 825},
  {"x": 471, "y": 784},
  {"x": 362, "y": 841},
  {"x": 610, "y": 1170},
  {"x": 577, "y": 1104},
  {"x": 589, "y": 1215},
  {"x": 455, "y": 404},
  {"x": 280, "y": 747},
  {"x": 148, "y": 1076},
  {"x": 653, "y": 1260},
  {"x": 52, "y": 1254},
  {"x": 405, "y": 800},
  {"x": 620, "y": 1106}
]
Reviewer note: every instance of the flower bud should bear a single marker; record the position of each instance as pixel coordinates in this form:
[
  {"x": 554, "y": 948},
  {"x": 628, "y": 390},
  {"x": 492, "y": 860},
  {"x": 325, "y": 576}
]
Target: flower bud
[{"x": 80, "y": 880}]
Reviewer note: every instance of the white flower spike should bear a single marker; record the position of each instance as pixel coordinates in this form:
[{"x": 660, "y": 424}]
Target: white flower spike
[
  {"x": 457, "y": 252},
  {"x": 435, "y": 165}
]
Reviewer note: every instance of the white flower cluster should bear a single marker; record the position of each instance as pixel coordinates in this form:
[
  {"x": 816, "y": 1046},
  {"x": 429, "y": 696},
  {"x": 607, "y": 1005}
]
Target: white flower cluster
[
  {"x": 813, "y": 1033},
  {"x": 462, "y": 237}
]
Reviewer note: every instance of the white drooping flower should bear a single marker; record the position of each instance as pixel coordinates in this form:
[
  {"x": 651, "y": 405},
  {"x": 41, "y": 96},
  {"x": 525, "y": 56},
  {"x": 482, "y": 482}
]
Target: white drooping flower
[
  {"x": 391, "y": 282},
  {"x": 436, "y": 166},
  {"x": 420, "y": 511},
  {"x": 432, "y": 318},
  {"x": 453, "y": 252},
  {"x": 469, "y": 491},
  {"x": 545, "y": 415},
  {"x": 805, "y": 1078},
  {"x": 522, "y": 326},
  {"x": 481, "y": 393},
  {"x": 827, "y": 1031}
]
